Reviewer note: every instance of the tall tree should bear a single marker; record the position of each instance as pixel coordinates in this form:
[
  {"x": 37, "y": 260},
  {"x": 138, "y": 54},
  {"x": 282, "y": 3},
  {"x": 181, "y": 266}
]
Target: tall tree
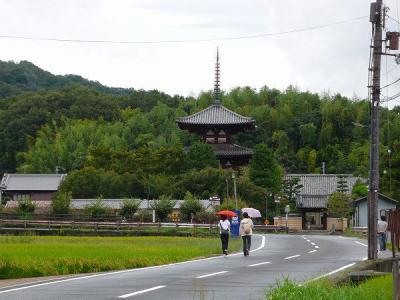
[{"x": 264, "y": 169}]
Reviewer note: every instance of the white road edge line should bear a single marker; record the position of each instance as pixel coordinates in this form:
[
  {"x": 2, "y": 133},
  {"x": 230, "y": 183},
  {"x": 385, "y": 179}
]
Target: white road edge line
[
  {"x": 357, "y": 242},
  {"x": 312, "y": 251},
  {"x": 212, "y": 274},
  {"x": 332, "y": 272},
  {"x": 290, "y": 257},
  {"x": 259, "y": 264},
  {"x": 122, "y": 271},
  {"x": 142, "y": 291}
]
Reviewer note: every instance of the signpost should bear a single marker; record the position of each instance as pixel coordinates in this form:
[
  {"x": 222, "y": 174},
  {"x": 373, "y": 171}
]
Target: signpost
[{"x": 287, "y": 211}]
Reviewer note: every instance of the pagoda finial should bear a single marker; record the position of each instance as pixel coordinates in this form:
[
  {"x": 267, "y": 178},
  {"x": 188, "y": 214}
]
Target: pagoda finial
[{"x": 217, "y": 91}]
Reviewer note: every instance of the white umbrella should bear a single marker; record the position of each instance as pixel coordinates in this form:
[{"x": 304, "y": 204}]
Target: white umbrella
[{"x": 252, "y": 212}]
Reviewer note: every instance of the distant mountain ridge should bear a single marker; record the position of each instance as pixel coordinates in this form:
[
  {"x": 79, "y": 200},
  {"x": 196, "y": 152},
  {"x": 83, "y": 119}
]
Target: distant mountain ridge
[{"x": 17, "y": 78}]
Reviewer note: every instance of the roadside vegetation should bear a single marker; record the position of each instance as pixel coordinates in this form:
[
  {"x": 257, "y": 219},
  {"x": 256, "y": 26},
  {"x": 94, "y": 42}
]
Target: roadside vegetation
[
  {"x": 32, "y": 256},
  {"x": 375, "y": 289}
]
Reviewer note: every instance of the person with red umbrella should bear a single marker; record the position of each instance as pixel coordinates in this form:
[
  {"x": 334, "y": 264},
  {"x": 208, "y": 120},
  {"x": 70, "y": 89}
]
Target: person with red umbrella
[{"x": 225, "y": 228}]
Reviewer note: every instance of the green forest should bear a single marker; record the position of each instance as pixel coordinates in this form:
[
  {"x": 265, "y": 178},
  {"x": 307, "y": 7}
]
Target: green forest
[{"x": 118, "y": 143}]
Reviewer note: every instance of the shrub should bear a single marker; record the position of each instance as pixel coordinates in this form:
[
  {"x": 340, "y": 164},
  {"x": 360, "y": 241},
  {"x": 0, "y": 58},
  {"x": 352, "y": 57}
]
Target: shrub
[
  {"x": 143, "y": 215},
  {"x": 96, "y": 209},
  {"x": 339, "y": 205},
  {"x": 61, "y": 203},
  {"x": 163, "y": 207},
  {"x": 190, "y": 207},
  {"x": 25, "y": 206},
  {"x": 129, "y": 208}
]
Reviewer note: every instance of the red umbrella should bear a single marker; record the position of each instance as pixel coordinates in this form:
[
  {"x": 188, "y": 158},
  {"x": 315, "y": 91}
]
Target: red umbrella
[{"x": 227, "y": 213}]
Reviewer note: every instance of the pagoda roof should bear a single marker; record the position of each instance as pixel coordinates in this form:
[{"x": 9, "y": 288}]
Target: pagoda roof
[
  {"x": 215, "y": 115},
  {"x": 229, "y": 150}
]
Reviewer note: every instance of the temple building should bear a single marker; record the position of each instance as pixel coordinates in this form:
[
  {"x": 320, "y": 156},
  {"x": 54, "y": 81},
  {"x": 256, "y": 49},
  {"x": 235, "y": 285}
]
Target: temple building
[{"x": 216, "y": 124}]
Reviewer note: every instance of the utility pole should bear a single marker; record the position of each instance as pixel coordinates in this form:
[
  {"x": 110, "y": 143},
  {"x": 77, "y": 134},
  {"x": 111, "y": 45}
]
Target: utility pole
[
  {"x": 376, "y": 19},
  {"x": 391, "y": 40},
  {"x": 234, "y": 190}
]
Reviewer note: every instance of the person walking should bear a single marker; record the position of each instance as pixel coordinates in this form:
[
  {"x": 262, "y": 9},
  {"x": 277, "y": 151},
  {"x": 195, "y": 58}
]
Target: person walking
[
  {"x": 224, "y": 230},
  {"x": 382, "y": 228},
  {"x": 246, "y": 231}
]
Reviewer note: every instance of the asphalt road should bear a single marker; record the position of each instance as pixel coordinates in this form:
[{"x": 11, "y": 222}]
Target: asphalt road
[{"x": 273, "y": 257}]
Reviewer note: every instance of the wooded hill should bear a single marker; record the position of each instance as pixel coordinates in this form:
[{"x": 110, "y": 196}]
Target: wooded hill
[{"x": 125, "y": 143}]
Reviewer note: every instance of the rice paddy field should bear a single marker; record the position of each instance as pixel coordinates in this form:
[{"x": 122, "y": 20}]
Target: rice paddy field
[{"x": 31, "y": 256}]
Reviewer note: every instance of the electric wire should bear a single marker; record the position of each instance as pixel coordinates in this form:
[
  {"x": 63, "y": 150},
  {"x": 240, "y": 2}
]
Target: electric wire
[{"x": 251, "y": 36}]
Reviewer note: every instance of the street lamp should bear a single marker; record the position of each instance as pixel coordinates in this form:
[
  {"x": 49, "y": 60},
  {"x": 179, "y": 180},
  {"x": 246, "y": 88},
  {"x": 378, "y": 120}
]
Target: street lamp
[
  {"x": 227, "y": 191},
  {"x": 234, "y": 190}
]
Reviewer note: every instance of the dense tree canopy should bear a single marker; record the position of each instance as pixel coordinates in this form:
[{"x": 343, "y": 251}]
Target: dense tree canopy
[{"x": 124, "y": 143}]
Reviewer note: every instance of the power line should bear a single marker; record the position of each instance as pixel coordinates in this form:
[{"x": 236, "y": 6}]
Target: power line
[
  {"x": 397, "y": 80},
  {"x": 252, "y": 36}
]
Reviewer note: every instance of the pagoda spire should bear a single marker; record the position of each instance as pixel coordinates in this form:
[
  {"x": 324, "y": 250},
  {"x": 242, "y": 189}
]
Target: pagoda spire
[{"x": 217, "y": 91}]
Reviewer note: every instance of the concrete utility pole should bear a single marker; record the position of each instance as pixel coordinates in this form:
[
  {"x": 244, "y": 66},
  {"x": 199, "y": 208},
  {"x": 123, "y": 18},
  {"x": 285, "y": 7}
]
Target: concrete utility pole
[{"x": 376, "y": 18}]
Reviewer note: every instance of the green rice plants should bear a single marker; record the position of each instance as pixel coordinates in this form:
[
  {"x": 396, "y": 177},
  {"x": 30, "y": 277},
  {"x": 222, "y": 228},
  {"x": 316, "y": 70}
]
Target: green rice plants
[
  {"x": 28, "y": 256},
  {"x": 379, "y": 288}
]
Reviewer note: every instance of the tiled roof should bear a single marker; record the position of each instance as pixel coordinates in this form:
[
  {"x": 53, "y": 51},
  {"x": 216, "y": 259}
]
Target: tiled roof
[
  {"x": 311, "y": 201},
  {"x": 323, "y": 184},
  {"x": 222, "y": 150},
  {"x": 31, "y": 182},
  {"x": 215, "y": 115},
  {"x": 117, "y": 203}
]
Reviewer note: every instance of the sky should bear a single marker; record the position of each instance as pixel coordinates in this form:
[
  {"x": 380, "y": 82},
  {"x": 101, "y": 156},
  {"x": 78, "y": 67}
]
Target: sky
[{"x": 332, "y": 59}]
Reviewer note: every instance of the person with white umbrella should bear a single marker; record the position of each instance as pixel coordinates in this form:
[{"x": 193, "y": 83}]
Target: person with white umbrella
[{"x": 246, "y": 231}]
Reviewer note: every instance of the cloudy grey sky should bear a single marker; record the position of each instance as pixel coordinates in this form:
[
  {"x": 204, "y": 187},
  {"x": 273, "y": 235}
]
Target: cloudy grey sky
[{"x": 333, "y": 59}]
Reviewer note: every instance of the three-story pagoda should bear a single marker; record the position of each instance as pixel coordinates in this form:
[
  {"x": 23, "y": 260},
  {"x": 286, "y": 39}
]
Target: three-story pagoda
[{"x": 216, "y": 124}]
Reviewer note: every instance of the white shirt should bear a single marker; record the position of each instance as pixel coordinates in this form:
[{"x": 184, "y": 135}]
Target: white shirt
[
  {"x": 224, "y": 224},
  {"x": 382, "y": 226}
]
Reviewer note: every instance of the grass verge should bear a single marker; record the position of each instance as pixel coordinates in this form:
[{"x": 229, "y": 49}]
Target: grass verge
[
  {"x": 379, "y": 288},
  {"x": 31, "y": 256}
]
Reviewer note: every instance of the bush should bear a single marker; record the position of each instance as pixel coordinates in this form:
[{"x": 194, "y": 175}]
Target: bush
[
  {"x": 206, "y": 217},
  {"x": 143, "y": 215},
  {"x": 96, "y": 209},
  {"x": 163, "y": 207},
  {"x": 190, "y": 207},
  {"x": 25, "y": 206},
  {"x": 339, "y": 205},
  {"x": 61, "y": 203},
  {"x": 129, "y": 208}
]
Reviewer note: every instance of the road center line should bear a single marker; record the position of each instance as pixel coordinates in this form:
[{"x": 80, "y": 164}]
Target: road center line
[
  {"x": 312, "y": 251},
  {"x": 313, "y": 244},
  {"x": 290, "y": 257},
  {"x": 317, "y": 247},
  {"x": 212, "y": 274},
  {"x": 259, "y": 264},
  {"x": 357, "y": 242},
  {"x": 308, "y": 241},
  {"x": 142, "y": 291}
]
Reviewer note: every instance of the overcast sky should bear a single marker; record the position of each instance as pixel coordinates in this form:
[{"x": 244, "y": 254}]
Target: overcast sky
[{"x": 331, "y": 59}]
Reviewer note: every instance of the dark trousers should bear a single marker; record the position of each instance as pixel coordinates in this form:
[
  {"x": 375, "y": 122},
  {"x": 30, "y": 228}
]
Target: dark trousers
[
  {"x": 224, "y": 241},
  {"x": 246, "y": 243},
  {"x": 382, "y": 241}
]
